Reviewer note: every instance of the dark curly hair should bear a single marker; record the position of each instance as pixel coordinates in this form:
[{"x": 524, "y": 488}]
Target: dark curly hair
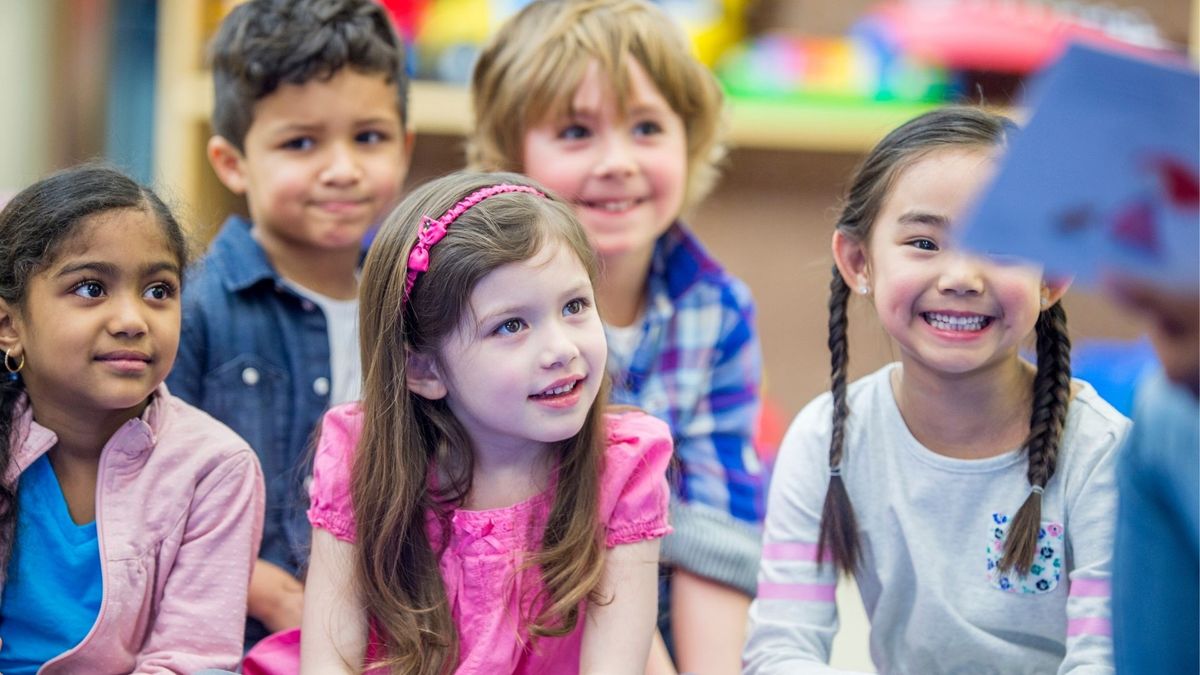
[{"x": 265, "y": 43}]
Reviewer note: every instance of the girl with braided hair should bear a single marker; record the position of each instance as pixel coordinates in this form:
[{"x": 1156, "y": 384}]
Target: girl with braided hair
[{"x": 969, "y": 492}]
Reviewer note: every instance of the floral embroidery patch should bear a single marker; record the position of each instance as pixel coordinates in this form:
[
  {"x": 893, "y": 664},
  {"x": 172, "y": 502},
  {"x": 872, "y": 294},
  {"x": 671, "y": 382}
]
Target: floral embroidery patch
[{"x": 1046, "y": 570}]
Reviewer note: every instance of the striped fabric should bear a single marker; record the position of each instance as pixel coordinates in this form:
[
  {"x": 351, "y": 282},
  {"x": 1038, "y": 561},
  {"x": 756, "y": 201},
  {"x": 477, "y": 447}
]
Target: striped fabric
[{"x": 698, "y": 366}]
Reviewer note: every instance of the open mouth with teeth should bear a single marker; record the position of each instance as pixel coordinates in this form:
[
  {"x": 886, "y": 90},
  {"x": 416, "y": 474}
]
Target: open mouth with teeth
[
  {"x": 959, "y": 323},
  {"x": 613, "y": 205},
  {"x": 559, "y": 391}
]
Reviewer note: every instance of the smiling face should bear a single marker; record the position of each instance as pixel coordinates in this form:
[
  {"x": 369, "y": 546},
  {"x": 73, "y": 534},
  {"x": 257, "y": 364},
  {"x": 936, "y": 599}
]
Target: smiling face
[
  {"x": 950, "y": 312},
  {"x": 99, "y": 327},
  {"x": 322, "y": 161},
  {"x": 626, "y": 174},
  {"x": 527, "y": 362}
]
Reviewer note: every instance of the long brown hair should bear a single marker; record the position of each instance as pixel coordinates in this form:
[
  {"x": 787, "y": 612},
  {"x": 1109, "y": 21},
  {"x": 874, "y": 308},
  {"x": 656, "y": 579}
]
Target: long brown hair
[
  {"x": 405, "y": 436},
  {"x": 953, "y": 126}
]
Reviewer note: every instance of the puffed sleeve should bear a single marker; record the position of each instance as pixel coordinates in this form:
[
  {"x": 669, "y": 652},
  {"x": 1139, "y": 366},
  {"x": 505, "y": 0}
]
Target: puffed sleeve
[
  {"x": 633, "y": 493},
  {"x": 329, "y": 493}
]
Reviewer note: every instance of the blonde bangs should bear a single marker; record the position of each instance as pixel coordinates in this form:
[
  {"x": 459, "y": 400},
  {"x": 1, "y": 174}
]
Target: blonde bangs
[{"x": 529, "y": 73}]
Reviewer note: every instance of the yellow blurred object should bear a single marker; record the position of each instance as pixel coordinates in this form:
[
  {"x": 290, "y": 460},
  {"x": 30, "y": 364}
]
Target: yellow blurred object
[
  {"x": 712, "y": 25},
  {"x": 456, "y": 22}
]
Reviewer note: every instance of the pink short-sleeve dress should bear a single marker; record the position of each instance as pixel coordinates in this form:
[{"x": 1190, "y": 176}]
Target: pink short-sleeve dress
[{"x": 487, "y": 590}]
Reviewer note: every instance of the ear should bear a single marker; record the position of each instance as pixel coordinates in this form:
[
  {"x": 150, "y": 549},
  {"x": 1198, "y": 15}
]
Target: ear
[
  {"x": 10, "y": 337},
  {"x": 852, "y": 261},
  {"x": 228, "y": 163},
  {"x": 1054, "y": 289},
  {"x": 423, "y": 377},
  {"x": 409, "y": 139}
]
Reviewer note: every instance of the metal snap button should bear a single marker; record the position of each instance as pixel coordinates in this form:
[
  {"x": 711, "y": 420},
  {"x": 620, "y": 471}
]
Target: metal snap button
[{"x": 321, "y": 386}]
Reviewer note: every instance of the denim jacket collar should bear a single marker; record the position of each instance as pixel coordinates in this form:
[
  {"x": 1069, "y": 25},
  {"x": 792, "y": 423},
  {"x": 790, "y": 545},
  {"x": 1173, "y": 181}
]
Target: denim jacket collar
[
  {"x": 239, "y": 259},
  {"x": 132, "y": 440}
]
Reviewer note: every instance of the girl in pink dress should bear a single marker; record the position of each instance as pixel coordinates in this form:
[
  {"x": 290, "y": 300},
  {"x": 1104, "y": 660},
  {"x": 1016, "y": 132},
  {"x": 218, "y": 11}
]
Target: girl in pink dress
[{"x": 479, "y": 511}]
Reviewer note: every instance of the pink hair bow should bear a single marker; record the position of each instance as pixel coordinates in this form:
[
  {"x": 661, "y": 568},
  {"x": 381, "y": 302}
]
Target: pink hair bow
[{"x": 432, "y": 231}]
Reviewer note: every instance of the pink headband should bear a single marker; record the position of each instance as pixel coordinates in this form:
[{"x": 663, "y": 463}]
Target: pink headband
[{"x": 432, "y": 230}]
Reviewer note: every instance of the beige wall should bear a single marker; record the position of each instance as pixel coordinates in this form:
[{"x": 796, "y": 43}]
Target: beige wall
[{"x": 25, "y": 57}]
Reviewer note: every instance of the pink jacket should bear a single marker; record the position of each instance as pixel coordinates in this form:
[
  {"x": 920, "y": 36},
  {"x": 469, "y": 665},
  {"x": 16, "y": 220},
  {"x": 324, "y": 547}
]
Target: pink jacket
[{"x": 179, "y": 512}]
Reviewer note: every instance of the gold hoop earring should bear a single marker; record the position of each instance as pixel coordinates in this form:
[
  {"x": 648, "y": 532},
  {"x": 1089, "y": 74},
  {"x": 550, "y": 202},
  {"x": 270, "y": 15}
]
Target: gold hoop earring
[{"x": 9, "y": 367}]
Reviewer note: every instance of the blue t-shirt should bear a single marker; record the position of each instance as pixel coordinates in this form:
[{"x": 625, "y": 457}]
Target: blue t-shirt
[{"x": 53, "y": 589}]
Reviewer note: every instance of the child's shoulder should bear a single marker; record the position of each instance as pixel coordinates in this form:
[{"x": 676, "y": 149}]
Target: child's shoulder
[
  {"x": 631, "y": 431},
  {"x": 1093, "y": 425},
  {"x": 633, "y": 488},
  {"x": 194, "y": 432},
  {"x": 862, "y": 395},
  {"x": 233, "y": 260}
]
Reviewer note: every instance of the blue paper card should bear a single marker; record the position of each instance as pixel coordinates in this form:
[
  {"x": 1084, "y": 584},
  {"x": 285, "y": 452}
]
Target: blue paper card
[{"x": 1103, "y": 179}]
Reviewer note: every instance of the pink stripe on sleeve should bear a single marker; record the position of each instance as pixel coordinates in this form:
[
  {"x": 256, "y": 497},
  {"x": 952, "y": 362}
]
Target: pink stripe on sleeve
[
  {"x": 1091, "y": 588},
  {"x": 793, "y": 550},
  {"x": 1089, "y": 625},
  {"x": 807, "y": 592}
]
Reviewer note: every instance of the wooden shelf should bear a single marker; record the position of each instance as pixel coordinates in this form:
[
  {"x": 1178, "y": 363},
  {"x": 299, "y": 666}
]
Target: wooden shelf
[
  {"x": 817, "y": 126},
  {"x": 439, "y": 108},
  {"x": 185, "y": 101}
]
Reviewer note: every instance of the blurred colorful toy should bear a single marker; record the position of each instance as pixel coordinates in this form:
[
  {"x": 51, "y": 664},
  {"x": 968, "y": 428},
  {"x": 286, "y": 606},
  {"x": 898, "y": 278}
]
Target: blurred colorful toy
[
  {"x": 837, "y": 68},
  {"x": 1000, "y": 35},
  {"x": 449, "y": 33}
]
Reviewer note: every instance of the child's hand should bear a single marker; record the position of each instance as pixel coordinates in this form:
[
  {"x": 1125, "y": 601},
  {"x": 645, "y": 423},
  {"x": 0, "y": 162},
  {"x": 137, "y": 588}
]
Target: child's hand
[
  {"x": 1174, "y": 318},
  {"x": 276, "y": 597}
]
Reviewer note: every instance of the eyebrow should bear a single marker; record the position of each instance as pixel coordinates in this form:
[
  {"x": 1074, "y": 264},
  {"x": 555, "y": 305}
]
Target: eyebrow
[
  {"x": 573, "y": 291},
  {"x": 924, "y": 218},
  {"x": 110, "y": 270}
]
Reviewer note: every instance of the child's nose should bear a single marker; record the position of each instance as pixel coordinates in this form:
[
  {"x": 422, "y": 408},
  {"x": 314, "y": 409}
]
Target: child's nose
[
  {"x": 617, "y": 158},
  {"x": 127, "y": 317},
  {"x": 559, "y": 349},
  {"x": 962, "y": 275},
  {"x": 343, "y": 166}
]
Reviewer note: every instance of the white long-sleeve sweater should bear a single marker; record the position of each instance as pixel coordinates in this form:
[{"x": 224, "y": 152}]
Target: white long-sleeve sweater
[{"x": 929, "y": 526}]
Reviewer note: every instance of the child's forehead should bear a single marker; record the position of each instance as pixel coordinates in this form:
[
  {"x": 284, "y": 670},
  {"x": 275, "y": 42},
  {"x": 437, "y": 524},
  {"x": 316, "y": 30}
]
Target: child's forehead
[
  {"x": 113, "y": 232},
  {"x": 625, "y": 84},
  {"x": 321, "y": 98}
]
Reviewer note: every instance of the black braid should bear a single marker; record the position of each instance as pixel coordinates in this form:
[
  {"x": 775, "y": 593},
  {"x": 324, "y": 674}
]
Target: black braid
[
  {"x": 839, "y": 529},
  {"x": 10, "y": 393},
  {"x": 1051, "y": 394}
]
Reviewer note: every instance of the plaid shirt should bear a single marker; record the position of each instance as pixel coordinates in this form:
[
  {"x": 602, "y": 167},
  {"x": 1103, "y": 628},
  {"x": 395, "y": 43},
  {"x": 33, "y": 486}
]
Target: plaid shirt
[{"x": 698, "y": 366}]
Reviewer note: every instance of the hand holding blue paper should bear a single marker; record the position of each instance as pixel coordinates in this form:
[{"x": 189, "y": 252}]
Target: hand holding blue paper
[{"x": 1103, "y": 179}]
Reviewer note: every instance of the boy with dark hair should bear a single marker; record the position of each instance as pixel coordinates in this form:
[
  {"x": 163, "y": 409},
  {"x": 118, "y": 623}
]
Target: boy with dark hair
[{"x": 309, "y": 125}]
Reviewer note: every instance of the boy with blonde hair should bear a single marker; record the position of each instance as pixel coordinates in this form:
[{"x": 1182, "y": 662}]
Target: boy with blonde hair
[
  {"x": 603, "y": 102},
  {"x": 309, "y": 125}
]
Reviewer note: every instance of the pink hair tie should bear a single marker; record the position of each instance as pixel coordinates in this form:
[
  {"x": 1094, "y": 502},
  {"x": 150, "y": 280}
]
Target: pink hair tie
[{"x": 432, "y": 230}]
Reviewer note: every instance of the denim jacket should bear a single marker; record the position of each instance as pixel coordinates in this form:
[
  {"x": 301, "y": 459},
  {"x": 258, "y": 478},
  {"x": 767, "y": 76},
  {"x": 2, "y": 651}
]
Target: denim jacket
[{"x": 255, "y": 355}]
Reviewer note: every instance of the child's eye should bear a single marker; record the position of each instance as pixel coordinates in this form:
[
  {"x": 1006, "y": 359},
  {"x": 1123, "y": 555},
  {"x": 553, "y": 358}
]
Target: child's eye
[
  {"x": 370, "y": 137},
  {"x": 159, "y": 291},
  {"x": 301, "y": 143},
  {"x": 924, "y": 244},
  {"x": 510, "y": 327},
  {"x": 574, "y": 132},
  {"x": 576, "y": 306},
  {"x": 647, "y": 128},
  {"x": 89, "y": 289}
]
